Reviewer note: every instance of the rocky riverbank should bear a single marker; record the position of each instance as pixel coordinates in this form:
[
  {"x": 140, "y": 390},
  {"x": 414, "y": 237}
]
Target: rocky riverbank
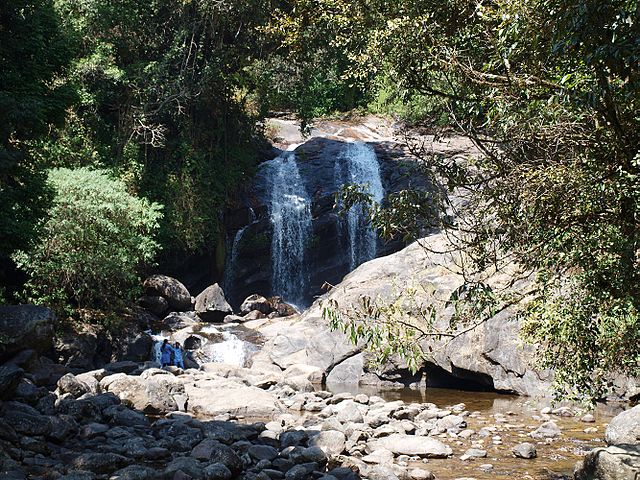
[{"x": 223, "y": 422}]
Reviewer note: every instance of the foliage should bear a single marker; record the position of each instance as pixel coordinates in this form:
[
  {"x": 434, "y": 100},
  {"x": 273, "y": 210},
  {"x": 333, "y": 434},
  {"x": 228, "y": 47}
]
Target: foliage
[
  {"x": 162, "y": 91},
  {"x": 550, "y": 92},
  {"x": 413, "y": 314},
  {"x": 93, "y": 243},
  {"x": 34, "y": 52}
]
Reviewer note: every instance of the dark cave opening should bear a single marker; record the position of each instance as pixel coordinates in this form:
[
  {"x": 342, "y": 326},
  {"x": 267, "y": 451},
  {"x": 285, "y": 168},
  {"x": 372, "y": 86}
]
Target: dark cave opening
[{"x": 458, "y": 379}]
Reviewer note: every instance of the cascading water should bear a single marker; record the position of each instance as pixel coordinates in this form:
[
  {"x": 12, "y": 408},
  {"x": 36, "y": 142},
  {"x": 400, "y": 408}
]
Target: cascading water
[
  {"x": 290, "y": 212},
  {"x": 211, "y": 344},
  {"x": 361, "y": 167},
  {"x": 230, "y": 270}
]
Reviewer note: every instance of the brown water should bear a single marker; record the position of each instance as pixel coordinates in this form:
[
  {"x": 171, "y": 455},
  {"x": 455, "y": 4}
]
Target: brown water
[{"x": 513, "y": 418}]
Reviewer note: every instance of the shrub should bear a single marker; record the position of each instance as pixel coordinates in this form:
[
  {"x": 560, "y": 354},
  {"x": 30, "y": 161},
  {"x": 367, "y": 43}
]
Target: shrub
[{"x": 93, "y": 242}]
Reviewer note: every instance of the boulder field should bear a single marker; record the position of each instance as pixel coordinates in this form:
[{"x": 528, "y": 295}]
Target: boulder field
[{"x": 227, "y": 422}]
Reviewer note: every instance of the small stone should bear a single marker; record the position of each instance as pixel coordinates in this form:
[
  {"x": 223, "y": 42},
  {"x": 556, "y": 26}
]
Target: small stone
[
  {"x": 588, "y": 418},
  {"x": 421, "y": 474},
  {"x": 473, "y": 453},
  {"x": 525, "y": 450}
]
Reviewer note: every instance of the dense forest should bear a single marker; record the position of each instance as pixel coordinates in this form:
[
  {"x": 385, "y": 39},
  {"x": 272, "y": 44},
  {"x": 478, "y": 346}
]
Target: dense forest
[{"x": 128, "y": 127}]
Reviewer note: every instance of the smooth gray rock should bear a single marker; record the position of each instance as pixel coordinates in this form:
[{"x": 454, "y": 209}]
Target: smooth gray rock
[
  {"x": 100, "y": 462},
  {"x": 331, "y": 442},
  {"x": 611, "y": 463},
  {"x": 525, "y": 450},
  {"x": 255, "y": 302},
  {"x": 134, "y": 472},
  {"x": 624, "y": 428},
  {"x": 211, "y": 304},
  {"x": 490, "y": 354},
  {"x": 547, "y": 430},
  {"x": 401, "y": 444}
]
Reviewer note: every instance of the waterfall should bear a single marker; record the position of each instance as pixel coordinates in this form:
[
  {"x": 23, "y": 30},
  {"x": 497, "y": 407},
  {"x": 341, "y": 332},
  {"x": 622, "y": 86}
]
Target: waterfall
[
  {"x": 156, "y": 354},
  {"x": 214, "y": 345},
  {"x": 230, "y": 269},
  {"x": 290, "y": 212},
  {"x": 362, "y": 168},
  {"x": 230, "y": 350}
]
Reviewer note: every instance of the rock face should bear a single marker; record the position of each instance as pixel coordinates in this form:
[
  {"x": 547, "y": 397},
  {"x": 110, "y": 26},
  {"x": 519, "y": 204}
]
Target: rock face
[
  {"x": 176, "y": 294},
  {"x": 25, "y": 326},
  {"x": 320, "y": 162},
  {"x": 490, "y": 355},
  {"x": 621, "y": 459},
  {"x": 211, "y": 304}
]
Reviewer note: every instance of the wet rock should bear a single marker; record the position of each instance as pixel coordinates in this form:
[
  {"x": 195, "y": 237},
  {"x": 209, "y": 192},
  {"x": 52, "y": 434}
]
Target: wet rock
[
  {"x": 216, "y": 452},
  {"x": 137, "y": 349},
  {"x": 176, "y": 294},
  {"x": 624, "y": 428},
  {"x": 300, "y": 472},
  {"x": 525, "y": 450},
  {"x": 412, "y": 445},
  {"x": 588, "y": 418},
  {"x": 120, "y": 415},
  {"x": 25, "y": 327},
  {"x": 178, "y": 320},
  {"x": 211, "y": 304}
]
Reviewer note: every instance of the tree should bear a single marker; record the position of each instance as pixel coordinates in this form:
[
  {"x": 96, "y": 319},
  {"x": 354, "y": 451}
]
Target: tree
[
  {"x": 93, "y": 243},
  {"x": 34, "y": 52},
  {"x": 550, "y": 92}
]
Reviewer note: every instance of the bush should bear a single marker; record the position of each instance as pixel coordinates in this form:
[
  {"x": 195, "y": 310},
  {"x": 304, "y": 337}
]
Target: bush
[{"x": 94, "y": 241}]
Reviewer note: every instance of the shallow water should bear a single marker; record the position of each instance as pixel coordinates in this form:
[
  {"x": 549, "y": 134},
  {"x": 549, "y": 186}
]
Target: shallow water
[{"x": 513, "y": 418}]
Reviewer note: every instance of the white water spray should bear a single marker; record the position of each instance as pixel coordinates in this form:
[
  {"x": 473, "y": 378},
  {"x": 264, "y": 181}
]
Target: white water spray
[
  {"x": 361, "y": 167},
  {"x": 290, "y": 212}
]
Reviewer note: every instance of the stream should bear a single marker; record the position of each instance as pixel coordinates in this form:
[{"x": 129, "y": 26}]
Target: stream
[{"x": 513, "y": 417}]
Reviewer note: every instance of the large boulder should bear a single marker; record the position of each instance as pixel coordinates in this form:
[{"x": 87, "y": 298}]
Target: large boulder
[
  {"x": 10, "y": 376},
  {"x": 490, "y": 355},
  {"x": 611, "y": 463},
  {"x": 25, "y": 326},
  {"x": 211, "y": 304},
  {"x": 152, "y": 392},
  {"x": 624, "y": 429},
  {"x": 401, "y": 444},
  {"x": 621, "y": 459},
  {"x": 255, "y": 302},
  {"x": 210, "y": 396},
  {"x": 176, "y": 294}
]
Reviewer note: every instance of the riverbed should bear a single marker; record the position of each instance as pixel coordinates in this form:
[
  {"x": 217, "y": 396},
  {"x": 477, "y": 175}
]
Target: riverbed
[{"x": 513, "y": 418}]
